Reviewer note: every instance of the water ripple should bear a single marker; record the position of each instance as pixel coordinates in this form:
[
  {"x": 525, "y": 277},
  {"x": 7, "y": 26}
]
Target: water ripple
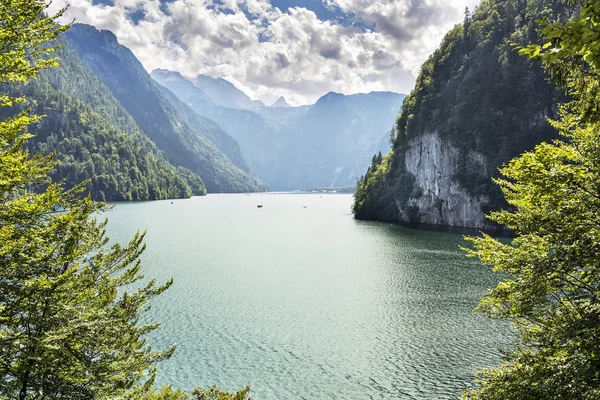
[{"x": 309, "y": 303}]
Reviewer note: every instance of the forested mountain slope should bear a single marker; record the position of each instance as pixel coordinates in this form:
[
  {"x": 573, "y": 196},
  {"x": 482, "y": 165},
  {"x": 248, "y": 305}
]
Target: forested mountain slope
[
  {"x": 95, "y": 139},
  {"x": 477, "y": 104},
  {"x": 184, "y": 146}
]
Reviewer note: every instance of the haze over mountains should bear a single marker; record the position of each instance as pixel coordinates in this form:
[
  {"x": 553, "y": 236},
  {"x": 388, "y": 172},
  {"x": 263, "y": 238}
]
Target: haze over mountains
[{"x": 328, "y": 144}]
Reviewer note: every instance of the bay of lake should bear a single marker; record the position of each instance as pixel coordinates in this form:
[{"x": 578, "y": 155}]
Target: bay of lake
[{"x": 300, "y": 301}]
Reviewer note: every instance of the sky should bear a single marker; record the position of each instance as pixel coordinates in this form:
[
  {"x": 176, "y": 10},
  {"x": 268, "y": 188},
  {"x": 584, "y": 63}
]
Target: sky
[{"x": 299, "y": 49}]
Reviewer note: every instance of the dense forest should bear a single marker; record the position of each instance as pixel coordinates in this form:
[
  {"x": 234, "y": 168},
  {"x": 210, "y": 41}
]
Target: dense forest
[
  {"x": 184, "y": 146},
  {"x": 481, "y": 98},
  {"x": 95, "y": 140}
]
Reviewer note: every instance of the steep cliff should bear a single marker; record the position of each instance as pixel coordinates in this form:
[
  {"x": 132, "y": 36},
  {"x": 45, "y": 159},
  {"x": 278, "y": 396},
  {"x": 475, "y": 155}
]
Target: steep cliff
[
  {"x": 476, "y": 104},
  {"x": 441, "y": 199}
]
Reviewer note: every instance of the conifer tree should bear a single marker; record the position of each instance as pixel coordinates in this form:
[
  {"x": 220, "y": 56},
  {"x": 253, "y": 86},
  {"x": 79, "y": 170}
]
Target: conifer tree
[{"x": 69, "y": 317}]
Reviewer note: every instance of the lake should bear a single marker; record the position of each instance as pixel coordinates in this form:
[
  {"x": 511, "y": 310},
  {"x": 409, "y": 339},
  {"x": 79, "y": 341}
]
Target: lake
[{"x": 300, "y": 301}]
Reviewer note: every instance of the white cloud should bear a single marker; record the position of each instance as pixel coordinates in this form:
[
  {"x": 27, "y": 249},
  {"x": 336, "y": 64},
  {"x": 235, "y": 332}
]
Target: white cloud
[{"x": 268, "y": 53}]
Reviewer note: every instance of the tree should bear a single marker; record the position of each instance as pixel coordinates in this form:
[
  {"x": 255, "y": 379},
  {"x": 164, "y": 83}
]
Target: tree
[
  {"x": 552, "y": 295},
  {"x": 467, "y": 23},
  {"x": 214, "y": 393},
  {"x": 572, "y": 57},
  {"x": 69, "y": 317}
]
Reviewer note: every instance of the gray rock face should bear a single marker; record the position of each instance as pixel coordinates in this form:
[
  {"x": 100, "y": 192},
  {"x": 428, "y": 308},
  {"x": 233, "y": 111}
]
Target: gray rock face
[{"x": 443, "y": 201}]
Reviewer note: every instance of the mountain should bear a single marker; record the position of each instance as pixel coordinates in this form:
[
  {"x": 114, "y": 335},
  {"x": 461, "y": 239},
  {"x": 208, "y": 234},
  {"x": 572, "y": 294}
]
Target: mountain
[
  {"x": 477, "y": 104},
  {"x": 135, "y": 90},
  {"x": 250, "y": 129},
  {"x": 280, "y": 103},
  {"x": 95, "y": 139},
  {"x": 224, "y": 93},
  {"x": 210, "y": 129},
  {"x": 327, "y": 144}
]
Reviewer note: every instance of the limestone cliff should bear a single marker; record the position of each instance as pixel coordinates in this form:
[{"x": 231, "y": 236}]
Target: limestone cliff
[{"x": 439, "y": 198}]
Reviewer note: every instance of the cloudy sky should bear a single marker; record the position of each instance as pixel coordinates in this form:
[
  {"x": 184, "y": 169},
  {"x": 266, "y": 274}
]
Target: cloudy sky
[{"x": 300, "y": 49}]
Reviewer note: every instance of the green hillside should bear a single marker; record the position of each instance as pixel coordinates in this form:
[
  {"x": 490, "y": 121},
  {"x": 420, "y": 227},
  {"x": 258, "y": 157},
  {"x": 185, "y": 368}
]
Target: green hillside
[
  {"x": 477, "y": 98},
  {"x": 94, "y": 138}
]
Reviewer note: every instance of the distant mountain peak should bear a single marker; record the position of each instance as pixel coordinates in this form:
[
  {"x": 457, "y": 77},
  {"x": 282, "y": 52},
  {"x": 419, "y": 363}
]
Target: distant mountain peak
[
  {"x": 167, "y": 74},
  {"x": 165, "y": 71},
  {"x": 161, "y": 70},
  {"x": 224, "y": 93},
  {"x": 200, "y": 79},
  {"x": 280, "y": 103}
]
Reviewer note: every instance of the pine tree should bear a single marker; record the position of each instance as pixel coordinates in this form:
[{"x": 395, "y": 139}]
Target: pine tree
[{"x": 467, "y": 23}]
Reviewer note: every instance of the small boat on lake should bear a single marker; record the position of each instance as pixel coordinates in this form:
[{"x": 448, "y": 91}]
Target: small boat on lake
[{"x": 259, "y": 206}]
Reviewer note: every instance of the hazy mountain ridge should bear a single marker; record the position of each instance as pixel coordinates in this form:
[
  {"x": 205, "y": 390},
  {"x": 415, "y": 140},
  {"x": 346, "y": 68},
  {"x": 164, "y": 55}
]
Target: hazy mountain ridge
[
  {"x": 349, "y": 124},
  {"x": 321, "y": 145},
  {"x": 210, "y": 129},
  {"x": 125, "y": 76},
  {"x": 224, "y": 93}
]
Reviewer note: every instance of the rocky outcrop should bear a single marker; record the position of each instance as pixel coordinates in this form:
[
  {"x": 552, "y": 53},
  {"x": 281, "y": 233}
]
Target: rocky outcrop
[{"x": 438, "y": 198}]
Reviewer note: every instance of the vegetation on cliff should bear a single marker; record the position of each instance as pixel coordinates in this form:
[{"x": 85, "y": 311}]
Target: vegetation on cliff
[{"x": 479, "y": 95}]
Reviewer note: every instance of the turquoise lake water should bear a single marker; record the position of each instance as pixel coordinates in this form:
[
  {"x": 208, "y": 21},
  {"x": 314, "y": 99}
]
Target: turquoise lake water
[{"x": 300, "y": 301}]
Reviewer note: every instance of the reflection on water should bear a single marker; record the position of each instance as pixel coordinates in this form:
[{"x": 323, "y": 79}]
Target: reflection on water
[{"x": 300, "y": 301}]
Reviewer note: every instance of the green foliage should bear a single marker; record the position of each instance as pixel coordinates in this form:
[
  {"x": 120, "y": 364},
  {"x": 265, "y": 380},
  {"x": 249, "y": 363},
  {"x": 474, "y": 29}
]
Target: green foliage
[
  {"x": 479, "y": 95},
  {"x": 214, "y": 393},
  {"x": 571, "y": 55},
  {"x": 166, "y": 393},
  {"x": 95, "y": 140},
  {"x": 554, "y": 263},
  {"x": 135, "y": 90},
  {"x": 21, "y": 60},
  {"x": 380, "y": 193},
  {"x": 68, "y": 313},
  {"x": 553, "y": 293}
]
